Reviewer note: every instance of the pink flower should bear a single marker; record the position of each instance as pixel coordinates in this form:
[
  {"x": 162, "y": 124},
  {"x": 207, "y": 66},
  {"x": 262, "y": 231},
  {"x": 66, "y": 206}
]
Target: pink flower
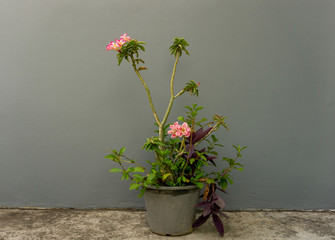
[
  {"x": 125, "y": 37},
  {"x": 174, "y": 129},
  {"x": 114, "y": 46},
  {"x": 179, "y": 130},
  {"x": 185, "y": 130},
  {"x": 118, "y": 43}
]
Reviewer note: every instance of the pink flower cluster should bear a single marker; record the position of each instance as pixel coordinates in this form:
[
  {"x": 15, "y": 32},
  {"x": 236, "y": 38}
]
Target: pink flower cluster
[
  {"x": 118, "y": 43},
  {"x": 179, "y": 130}
]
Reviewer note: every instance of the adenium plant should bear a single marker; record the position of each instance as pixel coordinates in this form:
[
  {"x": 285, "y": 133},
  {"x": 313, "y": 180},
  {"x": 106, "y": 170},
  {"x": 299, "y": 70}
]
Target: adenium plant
[{"x": 183, "y": 149}]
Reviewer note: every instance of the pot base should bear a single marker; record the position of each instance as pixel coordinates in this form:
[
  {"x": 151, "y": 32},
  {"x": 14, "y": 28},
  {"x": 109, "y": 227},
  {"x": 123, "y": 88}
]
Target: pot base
[
  {"x": 171, "y": 235},
  {"x": 171, "y": 210}
]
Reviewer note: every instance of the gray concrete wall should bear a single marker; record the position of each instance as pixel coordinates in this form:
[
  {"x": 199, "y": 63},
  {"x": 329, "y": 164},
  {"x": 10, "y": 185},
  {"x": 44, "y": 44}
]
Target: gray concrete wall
[{"x": 266, "y": 65}]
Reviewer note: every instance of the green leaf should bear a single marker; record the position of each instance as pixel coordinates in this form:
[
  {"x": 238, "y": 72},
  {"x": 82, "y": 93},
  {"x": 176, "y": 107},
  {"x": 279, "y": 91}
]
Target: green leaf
[
  {"x": 138, "y": 178},
  {"x": 214, "y": 138},
  {"x": 115, "y": 170},
  {"x": 134, "y": 186},
  {"x": 189, "y": 108},
  {"x": 181, "y": 118},
  {"x": 214, "y": 152},
  {"x": 141, "y": 47},
  {"x": 239, "y": 164},
  {"x": 125, "y": 175},
  {"x": 185, "y": 179},
  {"x": 138, "y": 169},
  {"x": 230, "y": 181},
  {"x": 224, "y": 184},
  {"x": 142, "y": 68},
  {"x": 141, "y": 192},
  {"x": 166, "y": 175},
  {"x": 210, "y": 180},
  {"x": 111, "y": 156},
  {"x": 240, "y": 169},
  {"x": 199, "y": 185},
  {"x": 151, "y": 177},
  {"x": 199, "y": 175},
  {"x": 238, "y": 148},
  {"x": 122, "y": 150}
]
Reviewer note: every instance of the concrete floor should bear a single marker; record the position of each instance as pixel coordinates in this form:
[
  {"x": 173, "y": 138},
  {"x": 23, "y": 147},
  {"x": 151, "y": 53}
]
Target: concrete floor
[{"x": 63, "y": 224}]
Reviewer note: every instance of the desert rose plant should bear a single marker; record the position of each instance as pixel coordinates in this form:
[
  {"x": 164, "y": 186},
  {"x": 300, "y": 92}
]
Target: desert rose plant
[{"x": 182, "y": 150}]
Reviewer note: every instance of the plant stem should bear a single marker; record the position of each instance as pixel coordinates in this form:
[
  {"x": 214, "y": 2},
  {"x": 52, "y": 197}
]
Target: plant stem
[
  {"x": 189, "y": 149},
  {"x": 132, "y": 161},
  {"x": 124, "y": 168},
  {"x": 228, "y": 170},
  {"x": 147, "y": 90},
  {"x": 161, "y": 128},
  {"x": 179, "y": 94}
]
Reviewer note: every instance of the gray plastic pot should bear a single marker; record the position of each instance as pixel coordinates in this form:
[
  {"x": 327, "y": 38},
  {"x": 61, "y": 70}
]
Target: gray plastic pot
[{"x": 171, "y": 210}]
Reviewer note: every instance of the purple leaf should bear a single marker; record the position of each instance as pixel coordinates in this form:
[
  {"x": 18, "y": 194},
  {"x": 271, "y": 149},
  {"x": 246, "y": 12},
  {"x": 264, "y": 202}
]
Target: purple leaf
[
  {"x": 207, "y": 210},
  {"x": 223, "y": 214},
  {"x": 216, "y": 208},
  {"x": 219, "y": 201},
  {"x": 219, "y": 188},
  {"x": 218, "y": 224},
  {"x": 202, "y": 150},
  {"x": 204, "y": 204},
  {"x": 210, "y": 159},
  {"x": 191, "y": 151},
  {"x": 199, "y": 134},
  {"x": 201, "y": 220},
  {"x": 194, "y": 134},
  {"x": 208, "y": 206},
  {"x": 213, "y": 162}
]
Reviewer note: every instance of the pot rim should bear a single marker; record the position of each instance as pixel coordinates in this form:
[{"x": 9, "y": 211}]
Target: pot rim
[{"x": 168, "y": 188}]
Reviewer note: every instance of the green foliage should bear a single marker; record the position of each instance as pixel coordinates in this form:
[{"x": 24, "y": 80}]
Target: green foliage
[
  {"x": 179, "y": 45},
  {"x": 175, "y": 164},
  {"x": 130, "y": 49},
  {"x": 134, "y": 186},
  {"x": 152, "y": 144},
  {"x": 192, "y": 88},
  {"x": 191, "y": 117},
  {"x": 115, "y": 170}
]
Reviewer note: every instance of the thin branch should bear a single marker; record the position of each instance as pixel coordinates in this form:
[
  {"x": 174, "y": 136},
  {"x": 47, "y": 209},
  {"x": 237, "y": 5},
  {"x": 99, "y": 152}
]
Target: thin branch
[
  {"x": 147, "y": 90},
  {"x": 132, "y": 161},
  {"x": 179, "y": 94},
  {"x": 171, "y": 90}
]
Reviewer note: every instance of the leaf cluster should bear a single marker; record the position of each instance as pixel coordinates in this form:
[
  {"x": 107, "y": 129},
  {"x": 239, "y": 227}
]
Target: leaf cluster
[
  {"x": 212, "y": 203},
  {"x": 130, "y": 49},
  {"x": 179, "y": 45},
  {"x": 192, "y": 88}
]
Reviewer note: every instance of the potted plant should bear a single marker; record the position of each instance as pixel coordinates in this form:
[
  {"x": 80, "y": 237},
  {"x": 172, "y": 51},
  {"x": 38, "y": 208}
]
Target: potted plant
[{"x": 183, "y": 151}]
